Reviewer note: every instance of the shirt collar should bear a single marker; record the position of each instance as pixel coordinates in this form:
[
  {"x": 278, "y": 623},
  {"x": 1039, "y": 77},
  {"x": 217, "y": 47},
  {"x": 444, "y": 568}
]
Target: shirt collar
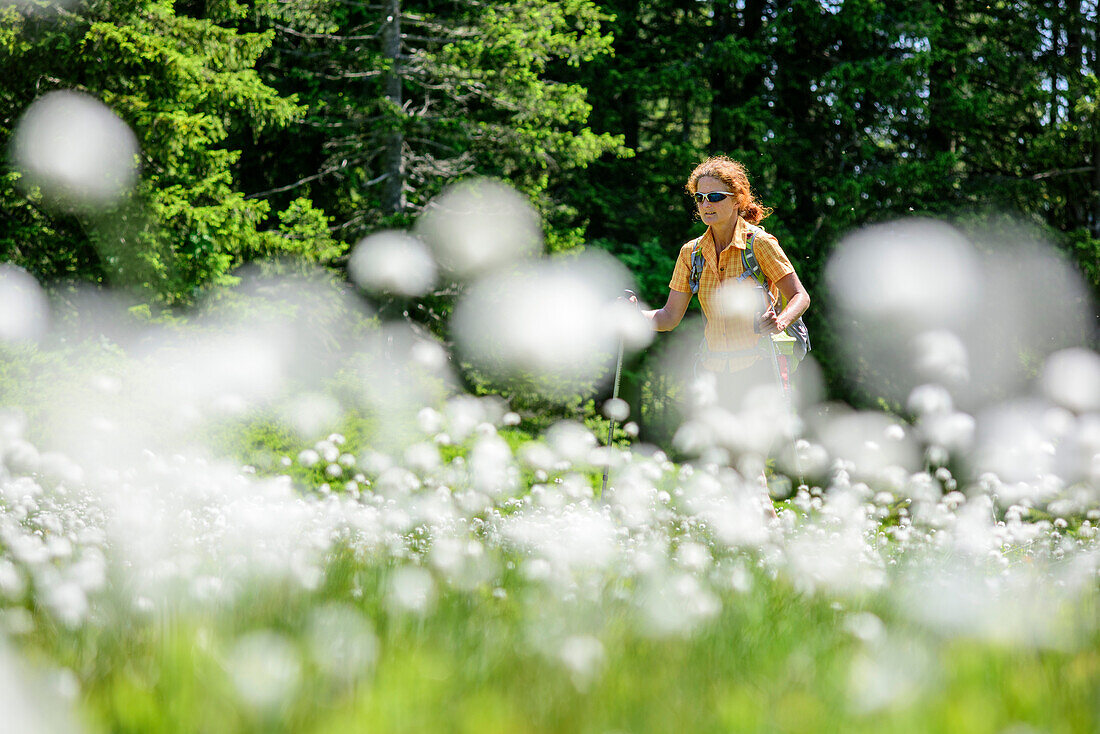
[{"x": 740, "y": 232}]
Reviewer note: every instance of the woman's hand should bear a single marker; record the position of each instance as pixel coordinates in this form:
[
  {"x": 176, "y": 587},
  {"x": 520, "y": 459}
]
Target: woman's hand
[
  {"x": 798, "y": 300},
  {"x": 768, "y": 323}
]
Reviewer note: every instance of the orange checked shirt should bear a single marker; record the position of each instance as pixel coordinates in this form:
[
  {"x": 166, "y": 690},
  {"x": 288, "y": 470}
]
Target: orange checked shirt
[{"x": 729, "y": 306}]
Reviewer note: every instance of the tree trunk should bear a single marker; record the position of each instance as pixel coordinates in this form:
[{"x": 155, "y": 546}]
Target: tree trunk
[
  {"x": 1055, "y": 59},
  {"x": 1094, "y": 194},
  {"x": 1094, "y": 123},
  {"x": 732, "y": 87},
  {"x": 941, "y": 81},
  {"x": 722, "y": 85},
  {"x": 393, "y": 187},
  {"x": 630, "y": 114}
]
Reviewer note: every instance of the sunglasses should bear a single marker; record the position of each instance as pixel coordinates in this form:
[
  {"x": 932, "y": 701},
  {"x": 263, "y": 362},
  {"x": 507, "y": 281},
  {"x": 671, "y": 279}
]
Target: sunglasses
[{"x": 713, "y": 197}]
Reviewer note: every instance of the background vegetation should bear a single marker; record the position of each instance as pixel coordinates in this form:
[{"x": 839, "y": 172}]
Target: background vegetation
[{"x": 296, "y": 128}]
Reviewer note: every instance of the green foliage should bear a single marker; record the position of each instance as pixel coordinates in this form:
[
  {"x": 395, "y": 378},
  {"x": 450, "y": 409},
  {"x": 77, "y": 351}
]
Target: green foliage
[
  {"x": 1085, "y": 248},
  {"x": 475, "y": 93},
  {"x": 264, "y": 127},
  {"x": 187, "y": 87}
]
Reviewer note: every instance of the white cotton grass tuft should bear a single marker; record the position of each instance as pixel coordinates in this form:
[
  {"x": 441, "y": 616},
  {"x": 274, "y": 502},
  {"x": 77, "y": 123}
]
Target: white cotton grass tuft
[
  {"x": 833, "y": 556},
  {"x": 616, "y": 409},
  {"x": 584, "y": 657},
  {"x": 479, "y": 226},
  {"x": 244, "y": 363},
  {"x": 628, "y": 324},
  {"x": 918, "y": 274},
  {"x": 552, "y": 320},
  {"x": 76, "y": 150},
  {"x": 889, "y": 673},
  {"x": 871, "y": 442},
  {"x": 33, "y": 703},
  {"x": 243, "y": 352},
  {"x": 676, "y": 604},
  {"x": 24, "y": 308},
  {"x": 930, "y": 399},
  {"x": 393, "y": 262},
  {"x": 1034, "y": 302},
  {"x": 67, "y": 601},
  {"x": 433, "y": 503},
  {"x": 1071, "y": 378},
  {"x": 739, "y": 301},
  {"x": 400, "y": 372},
  {"x": 342, "y": 642},
  {"x": 922, "y": 302},
  {"x": 300, "y": 318},
  {"x": 411, "y": 590},
  {"x": 939, "y": 355},
  {"x": 266, "y": 670},
  {"x": 1020, "y": 606},
  {"x": 190, "y": 532},
  {"x": 570, "y": 541},
  {"x": 310, "y": 413},
  {"x": 903, "y": 289},
  {"x": 571, "y": 441},
  {"x": 1016, "y": 441},
  {"x": 492, "y": 467}
]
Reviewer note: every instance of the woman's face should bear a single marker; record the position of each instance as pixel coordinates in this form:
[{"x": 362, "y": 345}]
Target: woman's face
[{"x": 715, "y": 212}]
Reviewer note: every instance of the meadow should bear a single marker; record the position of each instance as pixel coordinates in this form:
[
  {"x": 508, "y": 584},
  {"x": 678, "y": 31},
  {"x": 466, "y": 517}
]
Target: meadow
[{"x": 290, "y": 513}]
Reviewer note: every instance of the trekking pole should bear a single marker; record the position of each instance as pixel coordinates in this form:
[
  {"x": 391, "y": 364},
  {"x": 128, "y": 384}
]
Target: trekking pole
[
  {"x": 614, "y": 396},
  {"x": 784, "y": 386}
]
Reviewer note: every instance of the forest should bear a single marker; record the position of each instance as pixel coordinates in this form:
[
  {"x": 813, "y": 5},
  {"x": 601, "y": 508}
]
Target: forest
[{"x": 296, "y": 128}]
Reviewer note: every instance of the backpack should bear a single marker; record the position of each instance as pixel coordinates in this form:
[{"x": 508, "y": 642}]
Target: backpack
[{"x": 797, "y": 330}]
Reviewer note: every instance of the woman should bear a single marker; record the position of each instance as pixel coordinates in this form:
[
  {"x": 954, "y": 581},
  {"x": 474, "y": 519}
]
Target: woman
[{"x": 734, "y": 351}]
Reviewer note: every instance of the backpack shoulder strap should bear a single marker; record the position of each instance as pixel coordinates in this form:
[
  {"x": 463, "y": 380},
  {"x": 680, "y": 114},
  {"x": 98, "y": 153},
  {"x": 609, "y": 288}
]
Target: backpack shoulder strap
[
  {"x": 749, "y": 263},
  {"x": 697, "y": 264}
]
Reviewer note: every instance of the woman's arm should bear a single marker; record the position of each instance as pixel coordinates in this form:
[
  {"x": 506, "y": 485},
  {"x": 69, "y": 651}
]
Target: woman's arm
[
  {"x": 798, "y": 300},
  {"x": 668, "y": 316}
]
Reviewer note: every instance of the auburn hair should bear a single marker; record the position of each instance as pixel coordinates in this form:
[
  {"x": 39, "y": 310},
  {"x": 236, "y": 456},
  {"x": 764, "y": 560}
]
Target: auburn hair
[{"x": 733, "y": 175}]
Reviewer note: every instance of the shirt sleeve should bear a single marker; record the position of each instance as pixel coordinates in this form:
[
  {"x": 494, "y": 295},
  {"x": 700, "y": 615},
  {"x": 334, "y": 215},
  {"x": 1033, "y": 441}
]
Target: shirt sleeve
[
  {"x": 773, "y": 261},
  {"x": 680, "y": 276}
]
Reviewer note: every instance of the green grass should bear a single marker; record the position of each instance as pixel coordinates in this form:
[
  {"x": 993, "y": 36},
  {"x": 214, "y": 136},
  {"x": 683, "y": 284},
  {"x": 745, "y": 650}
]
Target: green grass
[
  {"x": 773, "y": 660},
  {"x": 488, "y": 659}
]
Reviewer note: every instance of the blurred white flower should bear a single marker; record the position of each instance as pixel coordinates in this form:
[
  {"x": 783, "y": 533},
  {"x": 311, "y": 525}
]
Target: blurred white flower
[
  {"x": 342, "y": 642},
  {"x": 584, "y": 658},
  {"x": 921, "y": 303},
  {"x": 553, "y": 319},
  {"x": 76, "y": 150},
  {"x": 24, "y": 310},
  {"x": 479, "y": 226},
  {"x": 266, "y": 670},
  {"x": 914, "y": 272},
  {"x": 31, "y": 705},
  {"x": 393, "y": 262},
  {"x": 411, "y": 589},
  {"x": 870, "y": 441},
  {"x": 676, "y": 605},
  {"x": 1071, "y": 378}
]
